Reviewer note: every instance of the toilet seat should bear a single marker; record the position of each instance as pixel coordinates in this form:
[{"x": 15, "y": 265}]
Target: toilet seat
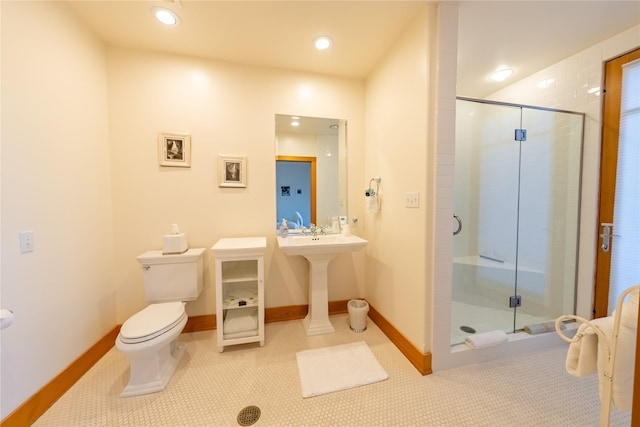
[{"x": 151, "y": 322}]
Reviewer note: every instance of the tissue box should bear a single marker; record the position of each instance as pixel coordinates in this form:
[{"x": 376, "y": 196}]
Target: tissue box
[{"x": 175, "y": 244}]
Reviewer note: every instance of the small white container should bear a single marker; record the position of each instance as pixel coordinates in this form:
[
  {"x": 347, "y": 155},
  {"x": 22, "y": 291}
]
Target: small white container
[
  {"x": 358, "y": 310},
  {"x": 175, "y": 244}
]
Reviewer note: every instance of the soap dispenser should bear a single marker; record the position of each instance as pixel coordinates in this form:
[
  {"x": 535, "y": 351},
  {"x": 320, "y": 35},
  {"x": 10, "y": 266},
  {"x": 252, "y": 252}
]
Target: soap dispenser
[{"x": 284, "y": 228}]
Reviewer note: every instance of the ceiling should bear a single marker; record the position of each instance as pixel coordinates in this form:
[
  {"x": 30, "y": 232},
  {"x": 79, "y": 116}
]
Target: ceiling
[
  {"x": 307, "y": 125},
  {"x": 525, "y": 35}
]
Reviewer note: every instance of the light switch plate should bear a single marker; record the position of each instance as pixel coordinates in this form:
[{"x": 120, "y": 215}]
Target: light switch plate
[
  {"x": 26, "y": 241},
  {"x": 412, "y": 199}
]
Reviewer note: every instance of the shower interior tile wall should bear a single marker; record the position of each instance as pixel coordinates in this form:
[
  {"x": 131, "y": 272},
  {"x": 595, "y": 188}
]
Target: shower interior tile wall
[{"x": 574, "y": 78}]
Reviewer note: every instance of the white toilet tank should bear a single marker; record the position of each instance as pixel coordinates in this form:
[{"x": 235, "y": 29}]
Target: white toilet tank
[{"x": 172, "y": 277}]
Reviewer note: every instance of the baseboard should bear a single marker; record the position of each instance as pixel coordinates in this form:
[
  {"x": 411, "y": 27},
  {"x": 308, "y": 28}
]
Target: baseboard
[
  {"x": 37, "y": 404},
  {"x": 200, "y": 323},
  {"x": 27, "y": 413},
  {"x": 421, "y": 361}
]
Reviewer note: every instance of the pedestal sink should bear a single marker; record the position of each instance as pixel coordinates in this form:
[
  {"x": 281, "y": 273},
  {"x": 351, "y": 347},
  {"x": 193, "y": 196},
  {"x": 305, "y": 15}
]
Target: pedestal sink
[{"x": 319, "y": 251}]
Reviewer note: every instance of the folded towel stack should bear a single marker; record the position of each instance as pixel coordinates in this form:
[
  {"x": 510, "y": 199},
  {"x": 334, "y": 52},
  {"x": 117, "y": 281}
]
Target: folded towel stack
[
  {"x": 486, "y": 339},
  {"x": 240, "y": 323}
]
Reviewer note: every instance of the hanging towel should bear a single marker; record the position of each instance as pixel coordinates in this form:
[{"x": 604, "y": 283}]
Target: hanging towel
[
  {"x": 582, "y": 356},
  {"x": 629, "y": 316},
  {"x": 589, "y": 353},
  {"x": 486, "y": 339},
  {"x": 623, "y": 373},
  {"x": 373, "y": 204}
]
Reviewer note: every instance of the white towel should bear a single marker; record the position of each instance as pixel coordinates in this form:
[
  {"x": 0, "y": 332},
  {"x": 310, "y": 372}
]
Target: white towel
[
  {"x": 589, "y": 355},
  {"x": 486, "y": 339},
  {"x": 240, "y": 320},
  {"x": 622, "y": 390},
  {"x": 582, "y": 356},
  {"x": 373, "y": 204},
  {"x": 623, "y": 373},
  {"x": 629, "y": 317}
]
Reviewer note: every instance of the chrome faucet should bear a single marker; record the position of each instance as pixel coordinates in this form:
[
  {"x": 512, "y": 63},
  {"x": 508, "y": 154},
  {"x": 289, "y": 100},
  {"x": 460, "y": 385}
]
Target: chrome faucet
[{"x": 313, "y": 229}]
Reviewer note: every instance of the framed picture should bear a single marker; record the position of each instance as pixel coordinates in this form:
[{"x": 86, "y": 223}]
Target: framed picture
[
  {"x": 232, "y": 171},
  {"x": 174, "y": 149}
]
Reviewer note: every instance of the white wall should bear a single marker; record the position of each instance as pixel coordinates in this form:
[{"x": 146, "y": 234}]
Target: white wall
[
  {"x": 80, "y": 169},
  {"x": 56, "y": 183},
  {"x": 227, "y": 109},
  {"x": 397, "y": 151}
]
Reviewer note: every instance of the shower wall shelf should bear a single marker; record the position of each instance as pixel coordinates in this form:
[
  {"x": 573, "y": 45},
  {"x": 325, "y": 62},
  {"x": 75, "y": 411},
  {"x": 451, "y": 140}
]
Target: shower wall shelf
[{"x": 239, "y": 271}]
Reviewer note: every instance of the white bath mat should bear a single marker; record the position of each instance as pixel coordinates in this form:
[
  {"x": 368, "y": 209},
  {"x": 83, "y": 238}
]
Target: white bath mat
[{"x": 329, "y": 369}]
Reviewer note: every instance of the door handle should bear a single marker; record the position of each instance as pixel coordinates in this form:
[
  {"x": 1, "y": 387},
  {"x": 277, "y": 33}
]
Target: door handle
[{"x": 606, "y": 236}]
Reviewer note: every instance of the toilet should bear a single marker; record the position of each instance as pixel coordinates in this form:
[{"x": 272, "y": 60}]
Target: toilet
[{"x": 149, "y": 337}]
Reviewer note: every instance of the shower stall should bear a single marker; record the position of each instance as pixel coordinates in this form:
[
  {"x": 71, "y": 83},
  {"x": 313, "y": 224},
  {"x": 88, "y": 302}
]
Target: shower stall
[{"x": 515, "y": 224}]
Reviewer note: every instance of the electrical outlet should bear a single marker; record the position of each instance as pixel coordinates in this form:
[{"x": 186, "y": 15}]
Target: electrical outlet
[
  {"x": 412, "y": 199},
  {"x": 26, "y": 241}
]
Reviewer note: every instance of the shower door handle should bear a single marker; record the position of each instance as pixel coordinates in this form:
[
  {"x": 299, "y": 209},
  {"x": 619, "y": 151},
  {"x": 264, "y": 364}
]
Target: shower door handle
[{"x": 459, "y": 229}]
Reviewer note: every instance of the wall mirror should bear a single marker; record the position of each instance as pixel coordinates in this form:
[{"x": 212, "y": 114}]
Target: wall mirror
[{"x": 311, "y": 171}]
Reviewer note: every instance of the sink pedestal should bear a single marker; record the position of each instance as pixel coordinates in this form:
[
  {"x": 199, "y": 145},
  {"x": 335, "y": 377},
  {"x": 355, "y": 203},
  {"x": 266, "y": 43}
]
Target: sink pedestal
[
  {"x": 317, "y": 320},
  {"x": 319, "y": 251}
]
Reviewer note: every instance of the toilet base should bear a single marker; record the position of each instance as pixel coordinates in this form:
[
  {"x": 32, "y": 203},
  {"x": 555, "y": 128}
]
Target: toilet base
[{"x": 152, "y": 374}]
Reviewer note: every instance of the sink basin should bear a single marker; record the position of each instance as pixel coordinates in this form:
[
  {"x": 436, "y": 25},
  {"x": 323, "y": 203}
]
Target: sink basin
[
  {"x": 317, "y": 240},
  {"x": 319, "y": 251},
  {"x": 326, "y": 244}
]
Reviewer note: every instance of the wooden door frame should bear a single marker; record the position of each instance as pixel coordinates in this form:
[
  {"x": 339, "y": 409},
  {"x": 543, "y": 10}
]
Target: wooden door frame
[
  {"x": 312, "y": 162},
  {"x": 610, "y": 131},
  {"x": 612, "y": 93}
]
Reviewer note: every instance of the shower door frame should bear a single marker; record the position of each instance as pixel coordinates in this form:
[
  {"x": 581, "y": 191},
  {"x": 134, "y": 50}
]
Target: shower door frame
[{"x": 522, "y": 117}]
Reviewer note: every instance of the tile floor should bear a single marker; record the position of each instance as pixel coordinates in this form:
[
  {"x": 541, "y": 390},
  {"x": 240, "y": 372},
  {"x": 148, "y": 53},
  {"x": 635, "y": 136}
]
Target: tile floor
[{"x": 211, "y": 388}]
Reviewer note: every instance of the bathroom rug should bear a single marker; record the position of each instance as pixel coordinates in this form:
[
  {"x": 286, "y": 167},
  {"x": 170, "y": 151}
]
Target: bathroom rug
[{"x": 329, "y": 369}]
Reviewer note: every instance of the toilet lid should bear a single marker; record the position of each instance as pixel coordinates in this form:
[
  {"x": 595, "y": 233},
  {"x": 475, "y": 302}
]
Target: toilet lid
[{"x": 154, "y": 320}]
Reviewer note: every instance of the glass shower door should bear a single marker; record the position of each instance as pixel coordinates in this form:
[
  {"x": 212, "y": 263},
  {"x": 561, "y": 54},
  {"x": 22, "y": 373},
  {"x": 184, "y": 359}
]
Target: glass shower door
[
  {"x": 548, "y": 217},
  {"x": 486, "y": 201},
  {"x": 517, "y": 195}
]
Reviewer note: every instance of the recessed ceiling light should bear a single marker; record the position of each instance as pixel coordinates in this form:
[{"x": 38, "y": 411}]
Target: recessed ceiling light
[
  {"x": 166, "y": 16},
  {"x": 322, "y": 42},
  {"x": 501, "y": 75},
  {"x": 294, "y": 123}
]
